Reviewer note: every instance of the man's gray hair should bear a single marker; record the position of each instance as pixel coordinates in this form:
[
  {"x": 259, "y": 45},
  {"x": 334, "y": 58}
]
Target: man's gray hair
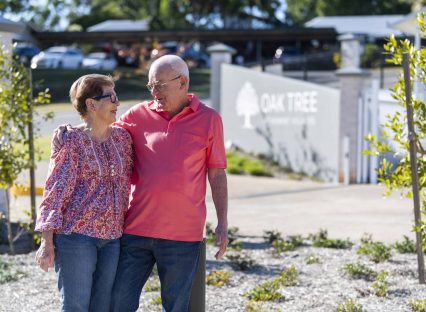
[{"x": 176, "y": 63}]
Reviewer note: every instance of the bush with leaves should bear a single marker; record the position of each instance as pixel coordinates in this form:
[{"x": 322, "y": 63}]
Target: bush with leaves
[
  {"x": 321, "y": 239},
  {"x": 406, "y": 246},
  {"x": 417, "y": 305},
  {"x": 350, "y": 305},
  {"x": 376, "y": 251},
  {"x": 289, "y": 244},
  {"x": 272, "y": 236},
  {"x": 16, "y": 112},
  {"x": 9, "y": 272},
  {"x": 312, "y": 259},
  {"x": 240, "y": 261},
  {"x": 267, "y": 291},
  {"x": 218, "y": 278},
  {"x": 398, "y": 178},
  {"x": 381, "y": 285},
  {"x": 359, "y": 271},
  {"x": 289, "y": 277}
]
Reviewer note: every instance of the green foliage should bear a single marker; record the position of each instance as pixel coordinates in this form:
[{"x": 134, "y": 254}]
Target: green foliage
[
  {"x": 8, "y": 272},
  {"x": 218, "y": 278},
  {"x": 370, "y": 58},
  {"x": 289, "y": 244},
  {"x": 153, "y": 284},
  {"x": 359, "y": 271},
  {"x": 271, "y": 236},
  {"x": 156, "y": 301},
  {"x": 312, "y": 259},
  {"x": 398, "y": 178},
  {"x": 15, "y": 113},
  {"x": 288, "y": 277},
  {"x": 239, "y": 164},
  {"x": 267, "y": 291},
  {"x": 350, "y": 305},
  {"x": 254, "y": 306},
  {"x": 381, "y": 285},
  {"x": 241, "y": 261},
  {"x": 406, "y": 246},
  {"x": 376, "y": 251},
  {"x": 417, "y": 305},
  {"x": 321, "y": 240}
]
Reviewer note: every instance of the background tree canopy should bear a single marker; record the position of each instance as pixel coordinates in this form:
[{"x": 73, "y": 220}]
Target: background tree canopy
[
  {"x": 210, "y": 14},
  {"x": 301, "y": 11}
]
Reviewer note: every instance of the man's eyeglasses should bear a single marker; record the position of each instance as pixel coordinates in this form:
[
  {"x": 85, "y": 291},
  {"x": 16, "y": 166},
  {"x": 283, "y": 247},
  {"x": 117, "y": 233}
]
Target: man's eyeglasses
[
  {"x": 160, "y": 86},
  {"x": 112, "y": 97}
]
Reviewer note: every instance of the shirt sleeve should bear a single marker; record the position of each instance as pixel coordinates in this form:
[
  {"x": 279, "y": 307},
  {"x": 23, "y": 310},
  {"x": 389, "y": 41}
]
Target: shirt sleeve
[
  {"x": 216, "y": 156},
  {"x": 59, "y": 187}
]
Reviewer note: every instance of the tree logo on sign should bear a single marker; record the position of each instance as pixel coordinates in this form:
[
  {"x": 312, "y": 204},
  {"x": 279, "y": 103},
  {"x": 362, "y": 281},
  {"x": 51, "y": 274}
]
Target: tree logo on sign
[{"x": 247, "y": 104}]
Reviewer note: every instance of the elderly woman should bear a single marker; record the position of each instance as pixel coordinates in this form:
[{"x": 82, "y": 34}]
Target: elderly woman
[{"x": 85, "y": 199}]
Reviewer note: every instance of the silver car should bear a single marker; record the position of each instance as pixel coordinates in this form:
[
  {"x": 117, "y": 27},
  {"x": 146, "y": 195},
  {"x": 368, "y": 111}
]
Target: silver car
[{"x": 58, "y": 57}]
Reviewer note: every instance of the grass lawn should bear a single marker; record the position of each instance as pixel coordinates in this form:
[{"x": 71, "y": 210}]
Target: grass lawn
[{"x": 130, "y": 85}]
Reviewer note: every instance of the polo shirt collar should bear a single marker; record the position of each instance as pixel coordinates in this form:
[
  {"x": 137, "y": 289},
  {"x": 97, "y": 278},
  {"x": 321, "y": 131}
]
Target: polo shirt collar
[{"x": 194, "y": 103}]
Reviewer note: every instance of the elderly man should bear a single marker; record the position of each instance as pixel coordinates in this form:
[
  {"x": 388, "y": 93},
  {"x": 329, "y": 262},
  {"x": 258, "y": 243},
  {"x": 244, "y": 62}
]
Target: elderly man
[{"x": 177, "y": 141}]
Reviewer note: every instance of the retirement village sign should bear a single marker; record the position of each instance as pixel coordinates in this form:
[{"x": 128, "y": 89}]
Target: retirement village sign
[{"x": 295, "y": 122}]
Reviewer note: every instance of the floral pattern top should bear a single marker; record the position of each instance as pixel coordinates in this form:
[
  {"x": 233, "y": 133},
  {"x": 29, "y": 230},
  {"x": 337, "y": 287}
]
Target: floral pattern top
[{"x": 88, "y": 186}]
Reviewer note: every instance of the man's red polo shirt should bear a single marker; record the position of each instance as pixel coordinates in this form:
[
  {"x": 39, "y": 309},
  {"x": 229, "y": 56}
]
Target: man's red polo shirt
[{"x": 169, "y": 177}]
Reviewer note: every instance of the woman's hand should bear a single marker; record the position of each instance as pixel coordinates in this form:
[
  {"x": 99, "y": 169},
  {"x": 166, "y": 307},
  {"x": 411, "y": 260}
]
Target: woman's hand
[{"x": 45, "y": 255}]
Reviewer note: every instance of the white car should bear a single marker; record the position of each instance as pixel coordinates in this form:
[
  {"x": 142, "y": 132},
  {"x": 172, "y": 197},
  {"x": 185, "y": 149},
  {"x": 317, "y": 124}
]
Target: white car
[
  {"x": 100, "y": 60},
  {"x": 58, "y": 57}
]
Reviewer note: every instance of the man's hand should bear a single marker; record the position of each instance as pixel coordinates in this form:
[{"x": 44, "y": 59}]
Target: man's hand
[
  {"x": 222, "y": 241},
  {"x": 45, "y": 255},
  {"x": 57, "y": 138}
]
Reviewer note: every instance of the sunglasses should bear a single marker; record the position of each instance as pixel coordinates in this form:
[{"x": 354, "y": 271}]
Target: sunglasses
[{"x": 112, "y": 97}]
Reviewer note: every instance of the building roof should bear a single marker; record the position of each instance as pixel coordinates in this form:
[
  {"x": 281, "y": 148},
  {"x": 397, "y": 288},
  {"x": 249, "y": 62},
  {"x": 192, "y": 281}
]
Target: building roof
[
  {"x": 120, "y": 25},
  {"x": 10, "y": 26},
  {"x": 408, "y": 23},
  {"x": 370, "y": 25}
]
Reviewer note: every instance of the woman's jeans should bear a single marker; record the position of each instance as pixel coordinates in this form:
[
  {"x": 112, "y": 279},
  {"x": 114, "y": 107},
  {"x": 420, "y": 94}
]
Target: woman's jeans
[
  {"x": 176, "y": 263},
  {"x": 86, "y": 268}
]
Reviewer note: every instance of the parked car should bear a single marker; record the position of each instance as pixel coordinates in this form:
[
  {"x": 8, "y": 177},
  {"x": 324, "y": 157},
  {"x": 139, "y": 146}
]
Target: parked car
[
  {"x": 58, "y": 57},
  {"x": 100, "y": 60},
  {"x": 25, "y": 53}
]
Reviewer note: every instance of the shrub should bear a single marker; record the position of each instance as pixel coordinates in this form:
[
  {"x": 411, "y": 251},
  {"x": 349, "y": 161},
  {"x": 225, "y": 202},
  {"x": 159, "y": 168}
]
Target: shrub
[
  {"x": 406, "y": 246},
  {"x": 254, "y": 306},
  {"x": 241, "y": 262},
  {"x": 417, "y": 305},
  {"x": 321, "y": 240},
  {"x": 271, "y": 236},
  {"x": 376, "y": 251},
  {"x": 153, "y": 284},
  {"x": 381, "y": 285},
  {"x": 350, "y": 305},
  {"x": 266, "y": 291},
  {"x": 312, "y": 259},
  {"x": 156, "y": 300},
  {"x": 218, "y": 278},
  {"x": 359, "y": 271},
  {"x": 291, "y": 243},
  {"x": 289, "y": 277},
  {"x": 8, "y": 272}
]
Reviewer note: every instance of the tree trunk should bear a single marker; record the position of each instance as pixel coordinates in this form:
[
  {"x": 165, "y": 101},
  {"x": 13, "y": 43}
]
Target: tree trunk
[{"x": 9, "y": 224}]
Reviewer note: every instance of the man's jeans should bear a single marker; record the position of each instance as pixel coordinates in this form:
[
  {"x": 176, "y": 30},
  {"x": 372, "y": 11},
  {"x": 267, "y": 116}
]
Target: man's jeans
[
  {"x": 86, "y": 268},
  {"x": 176, "y": 263}
]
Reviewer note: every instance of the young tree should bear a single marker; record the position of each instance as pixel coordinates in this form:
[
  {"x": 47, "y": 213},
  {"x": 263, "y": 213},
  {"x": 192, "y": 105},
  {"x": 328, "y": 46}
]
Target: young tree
[
  {"x": 16, "y": 110},
  {"x": 399, "y": 177}
]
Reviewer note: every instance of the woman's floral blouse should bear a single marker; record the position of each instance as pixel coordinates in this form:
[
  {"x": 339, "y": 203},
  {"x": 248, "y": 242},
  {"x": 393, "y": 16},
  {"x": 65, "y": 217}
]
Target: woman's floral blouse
[{"x": 88, "y": 186}]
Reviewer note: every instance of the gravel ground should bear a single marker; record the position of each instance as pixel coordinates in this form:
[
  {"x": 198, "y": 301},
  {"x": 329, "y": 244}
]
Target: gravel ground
[{"x": 321, "y": 286}]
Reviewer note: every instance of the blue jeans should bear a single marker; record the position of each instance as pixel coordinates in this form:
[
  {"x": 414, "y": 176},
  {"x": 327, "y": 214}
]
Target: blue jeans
[
  {"x": 176, "y": 263},
  {"x": 86, "y": 268}
]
